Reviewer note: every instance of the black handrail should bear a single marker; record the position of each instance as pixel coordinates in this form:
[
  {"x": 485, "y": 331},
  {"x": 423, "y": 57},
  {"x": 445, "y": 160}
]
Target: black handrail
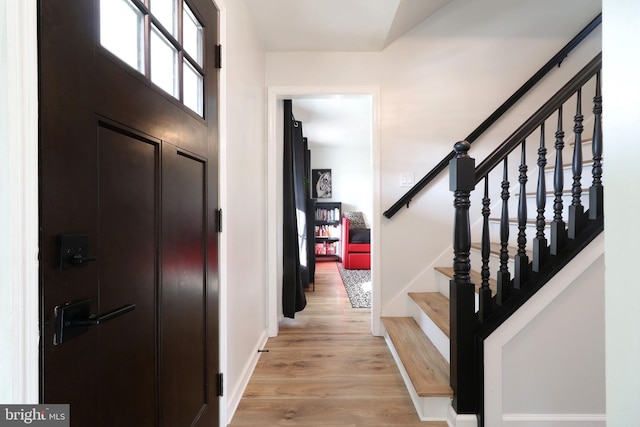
[
  {"x": 538, "y": 117},
  {"x": 517, "y": 95}
]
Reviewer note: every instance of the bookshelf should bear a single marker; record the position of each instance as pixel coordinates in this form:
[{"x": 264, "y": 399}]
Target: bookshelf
[{"x": 327, "y": 230}]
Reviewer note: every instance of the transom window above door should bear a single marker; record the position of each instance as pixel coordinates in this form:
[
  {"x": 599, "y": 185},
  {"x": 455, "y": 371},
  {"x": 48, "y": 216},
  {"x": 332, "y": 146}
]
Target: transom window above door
[{"x": 161, "y": 39}]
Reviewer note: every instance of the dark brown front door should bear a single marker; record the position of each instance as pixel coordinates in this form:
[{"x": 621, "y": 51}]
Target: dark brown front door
[{"x": 128, "y": 247}]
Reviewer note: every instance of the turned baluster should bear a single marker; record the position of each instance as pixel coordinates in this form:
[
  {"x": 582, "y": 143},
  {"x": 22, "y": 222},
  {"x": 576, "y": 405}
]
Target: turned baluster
[
  {"x": 596, "y": 191},
  {"x": 558, "y": 230},
  {"x": 461, "y": 290},
  {"x": 503, "y": 273},
  {"x": 540, "y": 248},
  {"x": 521, "y": 260},
  {"x": 576, "y": 210},
  {"x": 484, "y": 295}
]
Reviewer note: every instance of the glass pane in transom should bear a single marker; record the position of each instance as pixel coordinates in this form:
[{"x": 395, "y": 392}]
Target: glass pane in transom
[
  {"x": 122, "y": 31},
  {"x": 166, "y": 11},
  {"x": 193, "y": 88},
  {"x": 164, "y": 63},
  {"x": 192, "y": 33}
]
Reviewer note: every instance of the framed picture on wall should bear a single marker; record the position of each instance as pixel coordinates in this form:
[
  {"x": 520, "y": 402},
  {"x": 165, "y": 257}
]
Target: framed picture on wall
[{"x": 321, "y": 183}]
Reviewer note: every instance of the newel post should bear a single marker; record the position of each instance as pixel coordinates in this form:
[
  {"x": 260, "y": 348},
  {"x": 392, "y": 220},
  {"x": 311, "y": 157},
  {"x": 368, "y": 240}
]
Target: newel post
[{"x": 462, "y": 298}]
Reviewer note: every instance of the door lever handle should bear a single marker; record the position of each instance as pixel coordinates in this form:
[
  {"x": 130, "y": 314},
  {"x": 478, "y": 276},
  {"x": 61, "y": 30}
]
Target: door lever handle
[
  {"x": 73, "y": 319},
  {"x": 78, "y": 259},
  {"x": 94, "y": 320}
]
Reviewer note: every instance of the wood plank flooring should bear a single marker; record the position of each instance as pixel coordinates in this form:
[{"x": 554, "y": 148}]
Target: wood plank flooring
[{"x": 326, "y": 369}]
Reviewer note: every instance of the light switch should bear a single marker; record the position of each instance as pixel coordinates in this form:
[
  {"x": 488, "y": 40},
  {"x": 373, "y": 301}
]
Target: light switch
[{"x": 407, "y": 179}]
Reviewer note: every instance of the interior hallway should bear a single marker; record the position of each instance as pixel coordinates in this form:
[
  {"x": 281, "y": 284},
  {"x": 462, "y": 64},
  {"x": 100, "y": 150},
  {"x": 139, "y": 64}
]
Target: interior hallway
[{"x": 326, "y": 369}]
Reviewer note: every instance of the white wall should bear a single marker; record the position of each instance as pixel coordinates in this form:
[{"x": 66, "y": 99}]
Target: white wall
[
  {"x": 351, "y": 176},
  {"x": 437, "y": 83},
  {"x": 19, "y": 333},
  {"x": 621, "y": 89},
  {"x": 545, "y": 366},
  {"x": 243, "y": 189}
]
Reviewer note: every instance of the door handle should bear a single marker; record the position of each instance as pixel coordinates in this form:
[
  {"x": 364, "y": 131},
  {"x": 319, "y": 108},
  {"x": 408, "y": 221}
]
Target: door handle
[
  {"x": 73, "y": 319},
  {"x": 94, "y": 320}
]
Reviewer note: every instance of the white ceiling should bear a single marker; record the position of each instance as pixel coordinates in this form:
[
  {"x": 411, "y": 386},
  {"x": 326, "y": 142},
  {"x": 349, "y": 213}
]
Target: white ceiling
[
  {"x": 335, "y": 120},
  {"x": 336, "y": 25},
  {"x": 340, "y": 26}
]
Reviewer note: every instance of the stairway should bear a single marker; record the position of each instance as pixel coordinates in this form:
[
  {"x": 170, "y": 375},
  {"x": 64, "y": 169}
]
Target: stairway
[{"x": 420, "y": 344}]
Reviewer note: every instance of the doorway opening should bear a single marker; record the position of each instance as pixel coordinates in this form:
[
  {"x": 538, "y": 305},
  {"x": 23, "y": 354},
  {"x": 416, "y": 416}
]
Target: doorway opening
[{"x": 304, "y": 97}]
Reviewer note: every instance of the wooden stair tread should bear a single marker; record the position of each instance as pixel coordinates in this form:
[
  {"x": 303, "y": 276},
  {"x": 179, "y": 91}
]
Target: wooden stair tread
[
  {"x": 436, "y": 306},
  {"x": 476, "y": 278},
  {"x": 495, "y": 247},
  {"x": 427, "y": 369}
]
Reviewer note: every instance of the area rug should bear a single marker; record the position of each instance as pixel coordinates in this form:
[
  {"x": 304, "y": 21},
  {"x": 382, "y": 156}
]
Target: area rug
[{"x": 357, "y": 283}]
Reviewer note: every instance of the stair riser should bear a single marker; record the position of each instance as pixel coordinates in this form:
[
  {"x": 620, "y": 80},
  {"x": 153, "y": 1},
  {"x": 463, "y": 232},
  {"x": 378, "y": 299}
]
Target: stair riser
[
  {"x": 431, "y": 330},
  {"x": 442, "y": 284},
  {"x": 530, "y": 231},
  {"x": 532, "y": 206},
  {"x": 549, "y": 173},
  {"x": 494, "y": 261}
]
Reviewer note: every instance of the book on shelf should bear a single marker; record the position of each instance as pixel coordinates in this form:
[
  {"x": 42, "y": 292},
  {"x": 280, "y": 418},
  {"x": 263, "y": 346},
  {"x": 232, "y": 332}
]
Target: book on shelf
[{"x": 328, "y": 215}]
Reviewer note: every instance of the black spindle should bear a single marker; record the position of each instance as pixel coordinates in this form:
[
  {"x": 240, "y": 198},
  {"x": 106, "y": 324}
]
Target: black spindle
[
  {"x": 558, "y": 230},
  {"x": 503, "y": 273},
  {"x": 461, "y": 290},
  {"x": 596, "y": 192},
  {"x": 484, "y": 295},
  {"x": 576, "y": 210},
  {"x": 540, "y": 248},
  {"x": 521, "y": 259}
]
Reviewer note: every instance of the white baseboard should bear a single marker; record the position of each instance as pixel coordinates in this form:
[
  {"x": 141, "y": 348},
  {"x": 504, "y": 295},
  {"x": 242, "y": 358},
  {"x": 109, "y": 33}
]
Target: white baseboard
[
  {"x": 554, "y": 420},
  {"x": 236, "y": 394},
  {"x": 461, "y": 420}
]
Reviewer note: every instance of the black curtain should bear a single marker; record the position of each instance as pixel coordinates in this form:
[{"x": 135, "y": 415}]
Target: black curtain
[
  {"x": 295, "y": 272},
  {"x": 311, "y": 209}
]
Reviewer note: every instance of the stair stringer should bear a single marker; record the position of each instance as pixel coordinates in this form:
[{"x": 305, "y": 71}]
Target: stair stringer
[{"x": 502, "y": 340}]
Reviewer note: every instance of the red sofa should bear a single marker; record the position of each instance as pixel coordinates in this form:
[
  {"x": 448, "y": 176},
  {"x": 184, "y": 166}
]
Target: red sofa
[{"x": 356, "y": 255}]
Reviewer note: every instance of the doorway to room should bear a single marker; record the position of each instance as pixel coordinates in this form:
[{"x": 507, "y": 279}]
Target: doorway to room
[
  {"x": 337, "y": 131},
  {"x": 342, "y": 130}
]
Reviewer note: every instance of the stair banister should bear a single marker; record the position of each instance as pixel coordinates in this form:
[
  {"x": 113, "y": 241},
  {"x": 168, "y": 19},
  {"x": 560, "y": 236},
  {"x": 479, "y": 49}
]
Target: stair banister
[
  {"x": 461, "y": 290},
  {"x": 468, "y": 329},
  {"x": 596, "y": 189},
  {"x": 556, "y": 60}
]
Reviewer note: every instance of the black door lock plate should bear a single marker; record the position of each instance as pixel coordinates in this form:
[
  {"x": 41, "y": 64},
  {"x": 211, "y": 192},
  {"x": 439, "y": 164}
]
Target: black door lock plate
[{"x": 73, "y": 251}]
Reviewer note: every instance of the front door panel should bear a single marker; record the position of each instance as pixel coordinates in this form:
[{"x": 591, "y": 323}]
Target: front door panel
[
  {"x": 128, "y": 211},
  {"x": 183, "y": 355},
  {"x": 131, "y": 168}
]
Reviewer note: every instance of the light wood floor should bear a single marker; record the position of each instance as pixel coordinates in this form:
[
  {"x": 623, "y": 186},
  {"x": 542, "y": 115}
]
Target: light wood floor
[{"x": 326, "y": 369}]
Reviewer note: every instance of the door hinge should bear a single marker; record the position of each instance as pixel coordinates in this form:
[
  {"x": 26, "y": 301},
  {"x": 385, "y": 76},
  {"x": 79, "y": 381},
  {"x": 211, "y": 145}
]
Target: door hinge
[
  {"x": 219, "y": 220},
  {"x": 219, "y": 56},
  {"x": 220, "y": 384}
]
